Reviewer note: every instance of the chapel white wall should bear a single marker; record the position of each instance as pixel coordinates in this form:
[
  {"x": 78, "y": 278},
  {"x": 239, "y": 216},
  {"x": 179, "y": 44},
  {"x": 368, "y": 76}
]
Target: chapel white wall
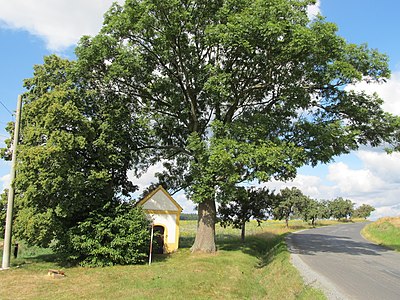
[{"x": 168, "y": 221}]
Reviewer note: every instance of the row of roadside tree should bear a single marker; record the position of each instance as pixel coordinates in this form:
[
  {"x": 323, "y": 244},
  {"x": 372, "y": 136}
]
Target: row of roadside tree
[{"x": 260, "y": 204}]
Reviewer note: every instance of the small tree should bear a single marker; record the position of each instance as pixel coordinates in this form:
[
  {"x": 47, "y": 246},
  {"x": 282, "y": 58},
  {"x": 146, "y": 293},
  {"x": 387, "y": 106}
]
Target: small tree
[
  {"x": 324, "y": 211},
  {"x": 241, "y": 204},
  {"x": 341, "y": 208},
  {"x": 310, "y": 210},
  {"x": 288, "y": 202},
  {"x": 364, "y": 211}
]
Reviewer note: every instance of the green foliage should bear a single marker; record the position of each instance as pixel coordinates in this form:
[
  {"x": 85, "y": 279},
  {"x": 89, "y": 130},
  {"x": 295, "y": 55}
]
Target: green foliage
[
  {"x": 324, "y": 210},
  {"x": 288, "y": 202},
  {"x": 109, "y": 236},
  {"x": 6, "y": 153},
  {"x": 341, "y": 208},
  {"x": 75, "y": 150},
  {"x": 258, "y": 70},
  {"x": 292, "y": 202},
  {"x": 310, "y": 210},
  {"x": 222, "y": 92},
  {"x": 236, "y": 90},
  {"x": 226, "y": 161},
  {"x": 3, "y": 212},
  {"x": 240, "y": 205},
  {"x": 363, "y": 211}
]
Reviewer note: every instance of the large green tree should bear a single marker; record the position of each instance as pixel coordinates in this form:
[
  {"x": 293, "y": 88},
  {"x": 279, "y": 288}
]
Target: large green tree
[
  {"x": 75, "y": 150},
  {"x": 233, "y": 91}
]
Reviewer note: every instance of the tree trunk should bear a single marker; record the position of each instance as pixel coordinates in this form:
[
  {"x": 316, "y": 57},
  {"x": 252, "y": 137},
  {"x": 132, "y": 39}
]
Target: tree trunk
[
  {"x": 205, "y": 236},
  {"x": 287, "y": 222},
  {"x": 243, "y": 231}
]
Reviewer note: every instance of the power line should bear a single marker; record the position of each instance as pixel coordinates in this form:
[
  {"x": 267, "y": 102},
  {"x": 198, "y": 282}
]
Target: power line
[{"x": 6, "y": 108}]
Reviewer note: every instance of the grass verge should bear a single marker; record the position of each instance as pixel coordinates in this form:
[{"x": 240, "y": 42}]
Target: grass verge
[
  {"x": 257, "y": 269},
  {"x": 385, "y": 231}
]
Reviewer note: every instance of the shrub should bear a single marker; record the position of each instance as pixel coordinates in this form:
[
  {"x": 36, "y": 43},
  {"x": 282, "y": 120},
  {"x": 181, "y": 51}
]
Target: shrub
[
  {"x": 112, "y": 235},
  {"x": 3, "y": 213}
]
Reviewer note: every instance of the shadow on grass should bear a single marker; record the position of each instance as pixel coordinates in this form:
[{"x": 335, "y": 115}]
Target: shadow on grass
[
  {"x": 186, "y": 241},
  {"x": 54, "y": 260},
  {"x": 160, "y": 257},
  {"x": 48, "y": 258},
  {"x": 263, "y": 246}
]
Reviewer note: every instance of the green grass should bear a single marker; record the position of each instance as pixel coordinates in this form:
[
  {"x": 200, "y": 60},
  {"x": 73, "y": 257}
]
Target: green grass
[
  {"x": 256, "y": 269},
  {"x": 385, "y": 231}
]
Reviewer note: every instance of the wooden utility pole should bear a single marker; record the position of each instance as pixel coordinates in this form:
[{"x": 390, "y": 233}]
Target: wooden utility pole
[{"x": 10, "y": 203}]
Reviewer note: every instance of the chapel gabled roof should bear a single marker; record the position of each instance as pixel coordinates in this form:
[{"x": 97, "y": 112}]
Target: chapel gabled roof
[{"x": 155, "y": 191}]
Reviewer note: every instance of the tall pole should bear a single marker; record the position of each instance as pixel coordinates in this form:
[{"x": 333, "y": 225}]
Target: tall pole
[
  {"x": 151, "y": 242},
  {"x": 10, "y": 203}
]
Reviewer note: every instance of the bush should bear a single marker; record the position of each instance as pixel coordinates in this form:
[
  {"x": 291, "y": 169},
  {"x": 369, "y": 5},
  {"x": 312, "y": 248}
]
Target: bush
[
  {"x": 3, "y": 213},
  {"x": 113, "y": 235}
]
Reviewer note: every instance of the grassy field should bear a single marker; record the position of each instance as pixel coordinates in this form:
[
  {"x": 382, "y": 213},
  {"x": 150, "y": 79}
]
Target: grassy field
[
  {"x": 257, "y": 269},
  {"x": 385, "y": 231}
]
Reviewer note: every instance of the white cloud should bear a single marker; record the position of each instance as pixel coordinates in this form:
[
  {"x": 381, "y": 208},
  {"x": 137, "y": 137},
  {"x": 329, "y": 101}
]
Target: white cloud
[
  {"x": 375, "y": 182},
  {"x": 314, "y": 10},
  {"x": 385, "y": 211},
  {"x": 309, "y": 185},
  {"x": 187, "y": 205},
  {"x": 353, "y": 182},
  {"x": 386, "y": 166},
  {"x": 5, "y": 182},
  {"x": 389, "y": 92},
  {"x": 60, "y": 23},
  {"x": 147, "y": 178}
]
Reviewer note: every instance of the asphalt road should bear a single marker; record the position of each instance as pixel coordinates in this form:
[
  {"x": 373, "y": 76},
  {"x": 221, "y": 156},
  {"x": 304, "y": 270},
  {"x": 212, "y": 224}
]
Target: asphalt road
[{"x": 340, "y": 261}]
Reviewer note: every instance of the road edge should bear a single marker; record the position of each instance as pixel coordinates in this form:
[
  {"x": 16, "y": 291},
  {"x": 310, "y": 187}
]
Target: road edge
[{"x": 311, "y": 277}]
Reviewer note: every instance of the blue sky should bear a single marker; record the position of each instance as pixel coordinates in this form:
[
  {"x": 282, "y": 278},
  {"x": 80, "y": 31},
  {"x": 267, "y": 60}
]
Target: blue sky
[{"x": 31, "y": 29}]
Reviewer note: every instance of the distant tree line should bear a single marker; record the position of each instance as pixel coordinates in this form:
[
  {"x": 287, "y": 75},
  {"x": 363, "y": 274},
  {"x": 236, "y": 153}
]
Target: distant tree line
[
  {"x": 188, "y": 217},
  {"x": 243, "y": 204}
]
